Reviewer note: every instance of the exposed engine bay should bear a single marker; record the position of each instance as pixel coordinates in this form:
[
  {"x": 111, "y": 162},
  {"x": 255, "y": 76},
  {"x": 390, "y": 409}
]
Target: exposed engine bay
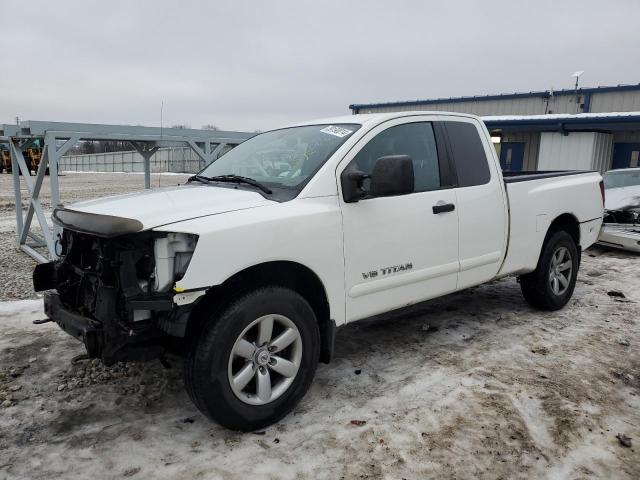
[
  {"x": 116, "y": 293},
  {"x": 621, "y": 227}
]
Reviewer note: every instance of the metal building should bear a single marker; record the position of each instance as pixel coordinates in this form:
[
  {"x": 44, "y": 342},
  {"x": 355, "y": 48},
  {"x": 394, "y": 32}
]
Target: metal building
[{"x": 587, "y": 128}]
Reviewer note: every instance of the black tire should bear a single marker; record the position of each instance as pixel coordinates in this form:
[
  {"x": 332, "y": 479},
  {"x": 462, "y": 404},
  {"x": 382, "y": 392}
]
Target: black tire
[
  {"x": 207, "y": 363},
  {"x": 537, "y": 287}
]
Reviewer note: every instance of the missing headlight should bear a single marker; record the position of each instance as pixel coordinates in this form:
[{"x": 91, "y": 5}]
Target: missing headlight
[{"x": 172, "y": 253}]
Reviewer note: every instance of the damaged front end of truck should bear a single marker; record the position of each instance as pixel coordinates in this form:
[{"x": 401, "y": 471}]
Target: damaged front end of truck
[
  {"x": 621, "y": 226},
  {"x": 114, "y": 285}
]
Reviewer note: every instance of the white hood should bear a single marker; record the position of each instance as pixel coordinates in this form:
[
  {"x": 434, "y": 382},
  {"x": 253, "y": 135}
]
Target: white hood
[
  {"x": 622, "y": 198},
  {"x": 153, "y": 208}
]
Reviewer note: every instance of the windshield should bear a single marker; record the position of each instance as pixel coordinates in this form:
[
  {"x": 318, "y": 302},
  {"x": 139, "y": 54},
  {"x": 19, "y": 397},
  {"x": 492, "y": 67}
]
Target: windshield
[
  {"x": 627, "y": 178},
  {"x": 284, "y": 158}
]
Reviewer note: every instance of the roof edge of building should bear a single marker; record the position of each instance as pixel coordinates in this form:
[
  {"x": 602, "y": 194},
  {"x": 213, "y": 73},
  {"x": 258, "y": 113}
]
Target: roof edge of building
[{"x": 499, "y": 96}]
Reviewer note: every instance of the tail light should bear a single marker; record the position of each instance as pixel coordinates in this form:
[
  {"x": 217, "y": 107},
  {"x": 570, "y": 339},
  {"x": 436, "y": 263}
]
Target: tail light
[{"x": 602, "y": 191}]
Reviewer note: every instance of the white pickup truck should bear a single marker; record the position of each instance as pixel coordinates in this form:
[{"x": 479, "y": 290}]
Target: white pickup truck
[{"x": 251, "y": 266}]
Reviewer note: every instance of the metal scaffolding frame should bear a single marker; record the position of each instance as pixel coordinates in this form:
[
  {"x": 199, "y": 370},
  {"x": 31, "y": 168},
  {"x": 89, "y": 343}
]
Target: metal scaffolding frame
[{"x": 56, "y": 138}]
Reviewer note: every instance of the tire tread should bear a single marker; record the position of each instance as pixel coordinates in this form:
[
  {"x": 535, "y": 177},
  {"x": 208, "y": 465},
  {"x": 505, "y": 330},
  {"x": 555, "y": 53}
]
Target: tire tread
[{"x": 534, "y": 285}]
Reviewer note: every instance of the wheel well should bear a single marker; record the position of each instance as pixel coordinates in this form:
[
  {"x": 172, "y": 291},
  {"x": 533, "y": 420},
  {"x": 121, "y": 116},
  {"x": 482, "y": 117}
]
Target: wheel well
[
  {"x": 568, "y": 223},
  {"x": 286, "y": 274}
]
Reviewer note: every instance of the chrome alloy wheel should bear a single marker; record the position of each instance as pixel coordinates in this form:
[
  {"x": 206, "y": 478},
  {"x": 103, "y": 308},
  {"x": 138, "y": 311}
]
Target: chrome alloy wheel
[
  {"x": 265, "y": 359},
  {"x": 560, "y": 271}
]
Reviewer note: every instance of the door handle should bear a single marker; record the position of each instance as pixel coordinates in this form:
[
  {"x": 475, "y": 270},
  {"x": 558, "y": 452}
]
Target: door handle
[{"x": 443, "y": 208}]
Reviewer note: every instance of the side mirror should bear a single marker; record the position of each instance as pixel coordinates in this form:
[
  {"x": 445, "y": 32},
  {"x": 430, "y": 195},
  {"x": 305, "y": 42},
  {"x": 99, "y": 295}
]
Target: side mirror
[
  {"x": 352, "y": 185},
  {"x": 392, "y": 175}
]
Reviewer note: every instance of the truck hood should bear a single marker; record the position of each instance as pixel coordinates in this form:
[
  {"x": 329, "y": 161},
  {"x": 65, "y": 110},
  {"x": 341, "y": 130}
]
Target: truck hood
[
  {"x": 622, "y": 198},
  {"x": 152, "y": 208}
]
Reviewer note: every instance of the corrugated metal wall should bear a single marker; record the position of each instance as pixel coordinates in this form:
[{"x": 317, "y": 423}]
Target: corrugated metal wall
[
  {"x": 512, "y": 106},
  {"x": 576, "y": 151},
  {"x": 615, "y": 102},
  {"x": 624, "y": 101},
  {"x": 602, "y": 152}
]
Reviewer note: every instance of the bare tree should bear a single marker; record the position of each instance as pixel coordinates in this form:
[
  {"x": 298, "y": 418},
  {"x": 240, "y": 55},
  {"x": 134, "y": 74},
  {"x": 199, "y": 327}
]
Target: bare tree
[
  {"x": 210, "y": 126},
  {"x": 99, "y": 146}
]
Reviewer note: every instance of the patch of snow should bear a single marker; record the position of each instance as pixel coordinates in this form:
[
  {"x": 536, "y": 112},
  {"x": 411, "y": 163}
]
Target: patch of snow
[{"x": 533, "y": 417}]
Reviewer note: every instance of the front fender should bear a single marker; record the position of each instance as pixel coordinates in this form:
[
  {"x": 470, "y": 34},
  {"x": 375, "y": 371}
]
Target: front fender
[{"x": 304, "y": 231}]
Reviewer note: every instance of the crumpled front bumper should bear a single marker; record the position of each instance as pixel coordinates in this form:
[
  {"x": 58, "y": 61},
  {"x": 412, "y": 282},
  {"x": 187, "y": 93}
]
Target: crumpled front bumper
[
  {"x": 105, "y": 340},
  {"x": 85, "y": 329},
  {"x": 620, "y": 235}
]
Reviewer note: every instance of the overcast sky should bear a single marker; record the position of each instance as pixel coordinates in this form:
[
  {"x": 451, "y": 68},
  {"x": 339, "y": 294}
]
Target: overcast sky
[{"x": 257, "y": 65}]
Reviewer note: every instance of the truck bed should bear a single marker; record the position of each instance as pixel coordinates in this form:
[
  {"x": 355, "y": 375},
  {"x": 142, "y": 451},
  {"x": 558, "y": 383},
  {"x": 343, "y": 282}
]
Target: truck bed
[
  {"x": 527, "y": 175},
  {"x": 535, "y": 199}
]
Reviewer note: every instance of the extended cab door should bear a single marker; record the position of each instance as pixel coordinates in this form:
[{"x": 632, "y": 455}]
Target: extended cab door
[
  {"x": 482, "y": 209},
  {"x": 399, "y": 250}
]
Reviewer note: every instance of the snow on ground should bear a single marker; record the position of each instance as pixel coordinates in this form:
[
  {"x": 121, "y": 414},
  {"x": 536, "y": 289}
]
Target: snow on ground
[{"x": 474, "y": 385}]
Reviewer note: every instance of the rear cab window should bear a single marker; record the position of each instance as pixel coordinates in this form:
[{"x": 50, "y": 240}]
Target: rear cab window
[{"x": 468, "y": 155}]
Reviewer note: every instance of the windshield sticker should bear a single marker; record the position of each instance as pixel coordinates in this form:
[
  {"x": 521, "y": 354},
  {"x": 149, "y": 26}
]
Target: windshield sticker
[{"x": 336, "y": 131}]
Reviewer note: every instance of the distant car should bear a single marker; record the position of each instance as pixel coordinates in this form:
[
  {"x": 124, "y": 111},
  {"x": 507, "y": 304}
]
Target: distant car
[{"x": 621, "y": 227}]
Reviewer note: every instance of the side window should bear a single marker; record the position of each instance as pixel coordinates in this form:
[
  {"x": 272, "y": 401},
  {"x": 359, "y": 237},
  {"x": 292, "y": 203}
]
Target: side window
[
  {"x": 468, "y": 154},
  {"x": 414, "y": 139}
]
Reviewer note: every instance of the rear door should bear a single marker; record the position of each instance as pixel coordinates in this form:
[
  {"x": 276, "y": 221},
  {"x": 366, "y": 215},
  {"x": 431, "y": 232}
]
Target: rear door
[
  {"x": 398, "y": 250},
  {"x": 482, "y": 210}
]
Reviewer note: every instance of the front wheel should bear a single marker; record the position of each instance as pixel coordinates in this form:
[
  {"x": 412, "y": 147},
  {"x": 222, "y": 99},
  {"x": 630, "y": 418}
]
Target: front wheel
[
  {"x": 551, "y": 284},
  {"x": 253, "y": 362}
]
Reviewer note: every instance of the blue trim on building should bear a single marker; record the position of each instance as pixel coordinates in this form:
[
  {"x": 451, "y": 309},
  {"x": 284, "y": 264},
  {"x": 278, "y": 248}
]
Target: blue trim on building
[
  {"x": 567, "y": 124},
  {"x": 587, "y": 92}
]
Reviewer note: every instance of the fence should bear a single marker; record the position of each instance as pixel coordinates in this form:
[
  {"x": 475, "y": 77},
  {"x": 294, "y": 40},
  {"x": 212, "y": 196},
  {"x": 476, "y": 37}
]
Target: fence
[{"x": 179, "y": 160}]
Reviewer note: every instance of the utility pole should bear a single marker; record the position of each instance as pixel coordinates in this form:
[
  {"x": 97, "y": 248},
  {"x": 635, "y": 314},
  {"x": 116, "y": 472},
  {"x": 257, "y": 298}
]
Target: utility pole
[{"x": 577, "y": 76}]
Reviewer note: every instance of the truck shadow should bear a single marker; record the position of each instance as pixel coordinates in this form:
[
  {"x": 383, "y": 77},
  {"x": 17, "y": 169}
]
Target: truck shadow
[
  {"x": 452, "y": 319},
  {"x": 86, "y": 403}
]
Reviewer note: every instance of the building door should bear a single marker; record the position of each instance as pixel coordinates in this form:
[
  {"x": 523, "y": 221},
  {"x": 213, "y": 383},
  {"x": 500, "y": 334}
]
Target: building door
[
  {"x": 512, "y": 156},
  {"x": 626, "y": 155}
]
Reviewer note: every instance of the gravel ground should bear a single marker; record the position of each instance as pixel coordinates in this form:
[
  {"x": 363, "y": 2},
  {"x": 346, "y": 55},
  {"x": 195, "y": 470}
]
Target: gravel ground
[
  {"x": 15, "y": 266},
  {"x": 473, "y": 385}
]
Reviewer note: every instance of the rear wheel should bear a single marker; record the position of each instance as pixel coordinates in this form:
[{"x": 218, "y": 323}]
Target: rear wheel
[
  {"x": 551, "y": 284},
  {"x": 254, "y": 361}
]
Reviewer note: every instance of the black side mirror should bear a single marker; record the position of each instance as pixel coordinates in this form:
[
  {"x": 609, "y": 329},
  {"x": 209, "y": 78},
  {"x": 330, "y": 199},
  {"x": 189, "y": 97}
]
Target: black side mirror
[
  {"x": 352, "y": 185},
  {"x": 392, "y": 175}
]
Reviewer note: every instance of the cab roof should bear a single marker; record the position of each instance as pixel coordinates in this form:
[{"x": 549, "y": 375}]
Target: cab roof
[{"x": 376, "y": 118}]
